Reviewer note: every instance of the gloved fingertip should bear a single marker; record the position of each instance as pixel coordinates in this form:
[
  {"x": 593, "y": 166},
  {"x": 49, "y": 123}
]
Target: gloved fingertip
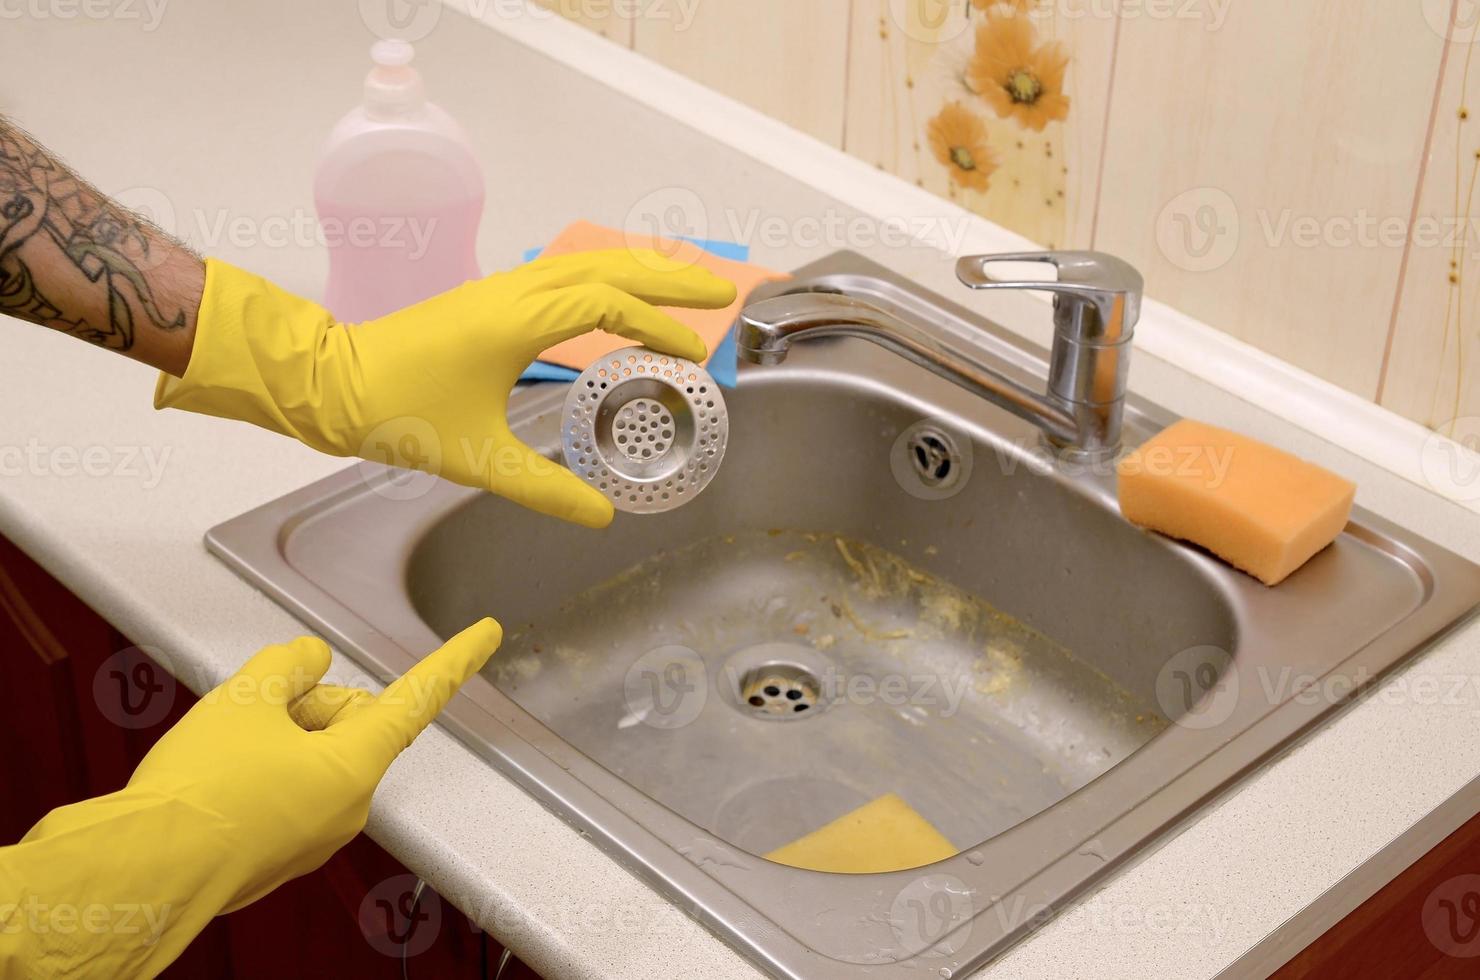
[
  {"x": 593, "y": 513},
  {"x": 313, "y": 653},
  {"x": 679, "y": 340},
  {"x": 406, "y": 707},
  {"x": 724, "y": 292},
  {"x": 485, "y": 633},
  {"x": 311, "y": 659},
  {"x": 704, "y": 290},
  {"x": 279, "y": 673},
  {"x": 478, "y": 644},
  {"x": 572, "y": 499}
]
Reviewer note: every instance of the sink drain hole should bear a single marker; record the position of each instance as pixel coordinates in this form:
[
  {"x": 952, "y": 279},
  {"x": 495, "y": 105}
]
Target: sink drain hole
[
  {"x": 931, "y": 460},
  {"x": 934, "y": 457},
  {"x": 778, "y": 691}
]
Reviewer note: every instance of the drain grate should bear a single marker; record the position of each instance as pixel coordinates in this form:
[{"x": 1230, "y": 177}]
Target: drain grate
[
  {"x": 933, "y": 456},
  {"x": 779, "y": 691},
  {"x": 646, "y": 429},
  {"x": 930, "y": 461},
  {"x": 643, "y": 429}
]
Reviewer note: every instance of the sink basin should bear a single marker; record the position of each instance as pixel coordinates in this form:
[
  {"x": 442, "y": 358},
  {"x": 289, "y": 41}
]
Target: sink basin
[{"x": 889, "y": 587}]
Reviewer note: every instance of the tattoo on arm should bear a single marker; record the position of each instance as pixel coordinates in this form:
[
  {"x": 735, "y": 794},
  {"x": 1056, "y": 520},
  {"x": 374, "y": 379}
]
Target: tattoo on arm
[{"x": 74, "y": 260}]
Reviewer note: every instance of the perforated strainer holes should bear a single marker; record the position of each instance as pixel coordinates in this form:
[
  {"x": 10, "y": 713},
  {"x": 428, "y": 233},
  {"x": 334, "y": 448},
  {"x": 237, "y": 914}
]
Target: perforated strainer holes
[
  {"x": 643, "y": 429},
  {"x": 778, "y": 691},
  {"x": 646, "y": 429}
]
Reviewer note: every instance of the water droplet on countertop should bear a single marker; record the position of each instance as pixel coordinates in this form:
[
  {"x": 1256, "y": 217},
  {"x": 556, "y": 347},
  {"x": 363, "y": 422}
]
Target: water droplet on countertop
[
  {"x": 1094, "y": 849},
  {"x": 976, "y": 858}
]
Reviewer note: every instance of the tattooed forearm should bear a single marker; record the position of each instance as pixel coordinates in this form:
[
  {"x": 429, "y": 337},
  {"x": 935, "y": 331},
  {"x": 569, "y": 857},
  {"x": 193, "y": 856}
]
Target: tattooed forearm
[{"x": 74, "y": 260}]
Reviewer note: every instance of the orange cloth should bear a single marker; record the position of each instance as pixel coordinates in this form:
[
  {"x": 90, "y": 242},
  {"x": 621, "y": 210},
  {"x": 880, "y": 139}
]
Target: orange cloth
[{"x": 711, "y": 325}]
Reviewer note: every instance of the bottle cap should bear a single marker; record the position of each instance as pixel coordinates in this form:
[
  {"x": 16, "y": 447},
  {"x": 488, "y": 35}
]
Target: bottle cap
[{"x": 393, "y": 86}]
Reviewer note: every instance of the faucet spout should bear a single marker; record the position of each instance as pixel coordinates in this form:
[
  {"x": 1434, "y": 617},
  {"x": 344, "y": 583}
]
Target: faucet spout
[
  {"x": 768, "y": 328},
  {"x": 1097, "y": 301}
]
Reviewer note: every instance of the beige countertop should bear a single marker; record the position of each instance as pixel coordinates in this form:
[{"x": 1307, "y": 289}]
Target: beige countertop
[{"x": 180, "y": 117}]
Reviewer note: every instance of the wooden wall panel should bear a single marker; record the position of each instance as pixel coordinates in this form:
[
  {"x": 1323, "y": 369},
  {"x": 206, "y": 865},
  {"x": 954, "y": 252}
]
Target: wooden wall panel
[
  {"x": 783, "y": 57},
  {"x": 1262, "y": 162},
  {"x": 1432, "y": 370},
  {"x": 1243, "y": 156},
  {"x": 603, "y": 18},
  {"x": 909, "y": 58}
]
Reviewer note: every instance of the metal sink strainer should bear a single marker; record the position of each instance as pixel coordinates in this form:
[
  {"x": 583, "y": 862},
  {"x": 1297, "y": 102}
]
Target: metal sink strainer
[{"x": 646, "y": 429}]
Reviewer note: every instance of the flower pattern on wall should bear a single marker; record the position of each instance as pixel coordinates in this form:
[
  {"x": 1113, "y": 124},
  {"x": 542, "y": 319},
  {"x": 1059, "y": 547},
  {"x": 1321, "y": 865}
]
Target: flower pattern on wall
[
  {"x": 1020, "y": 79},
  {"x": 1000, "y": 71},
  {"x": 958, "y": 138},
  {"x": 995, "y": 101}
]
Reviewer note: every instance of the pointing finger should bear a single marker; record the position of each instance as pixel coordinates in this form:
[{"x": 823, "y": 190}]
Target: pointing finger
[{"x": 410, "y": 704}]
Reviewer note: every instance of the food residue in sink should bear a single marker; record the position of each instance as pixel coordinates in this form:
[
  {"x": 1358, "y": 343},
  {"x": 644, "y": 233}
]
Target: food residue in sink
[
  {"x": 843, "y": 609},
  {"x": 868, "y": 610},
  {"x": 525, "y": 662},
  {"x": 998, "y": 668},
  {"x": 1034, "y": 721},
  {"x": 516, "y": 670}
]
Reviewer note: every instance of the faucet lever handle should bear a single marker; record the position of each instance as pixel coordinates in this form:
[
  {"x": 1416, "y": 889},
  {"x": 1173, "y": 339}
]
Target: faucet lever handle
[
  {"x": 1086, "y": 281},
  {"x": 1096, "y": 303}
]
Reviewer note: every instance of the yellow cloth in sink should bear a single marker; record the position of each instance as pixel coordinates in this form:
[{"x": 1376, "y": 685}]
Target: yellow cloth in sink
[{"x": 884, "y": 835}]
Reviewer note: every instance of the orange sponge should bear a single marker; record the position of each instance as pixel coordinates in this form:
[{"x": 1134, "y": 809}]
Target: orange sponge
[{"x": 1256, "y": 507}]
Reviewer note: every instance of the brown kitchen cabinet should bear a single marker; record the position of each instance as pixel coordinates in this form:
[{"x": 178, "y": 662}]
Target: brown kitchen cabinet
[
  {"x": 1422, "y": 925},
  {"x": 81, "y": 705}
]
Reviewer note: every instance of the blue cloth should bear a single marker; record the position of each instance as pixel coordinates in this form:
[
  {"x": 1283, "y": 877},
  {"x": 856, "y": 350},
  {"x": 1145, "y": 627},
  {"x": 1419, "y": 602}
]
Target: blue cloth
[
  {"x": 545, "y": 371},
  {"x": 722, "y": 360},
  {"x": 722, "y": 366}
]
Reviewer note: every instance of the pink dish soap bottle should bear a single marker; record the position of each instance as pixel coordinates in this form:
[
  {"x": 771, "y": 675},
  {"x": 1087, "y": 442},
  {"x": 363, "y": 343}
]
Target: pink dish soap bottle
[{"x": 399, "y": 194}]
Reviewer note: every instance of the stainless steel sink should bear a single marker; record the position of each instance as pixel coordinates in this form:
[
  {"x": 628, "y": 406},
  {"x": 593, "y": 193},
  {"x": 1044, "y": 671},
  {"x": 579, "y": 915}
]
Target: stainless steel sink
[{"x": 889, "y": 587}]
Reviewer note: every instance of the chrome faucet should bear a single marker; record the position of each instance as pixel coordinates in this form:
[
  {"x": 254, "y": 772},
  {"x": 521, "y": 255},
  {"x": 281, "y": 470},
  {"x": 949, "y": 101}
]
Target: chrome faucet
[{"x": 1097, "y": 301}]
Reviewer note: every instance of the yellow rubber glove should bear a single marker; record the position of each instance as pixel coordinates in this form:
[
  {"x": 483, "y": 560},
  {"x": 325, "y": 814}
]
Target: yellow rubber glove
[
  {"x": 428, "y": 386},
  {"x": 235, "y": 800}
]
